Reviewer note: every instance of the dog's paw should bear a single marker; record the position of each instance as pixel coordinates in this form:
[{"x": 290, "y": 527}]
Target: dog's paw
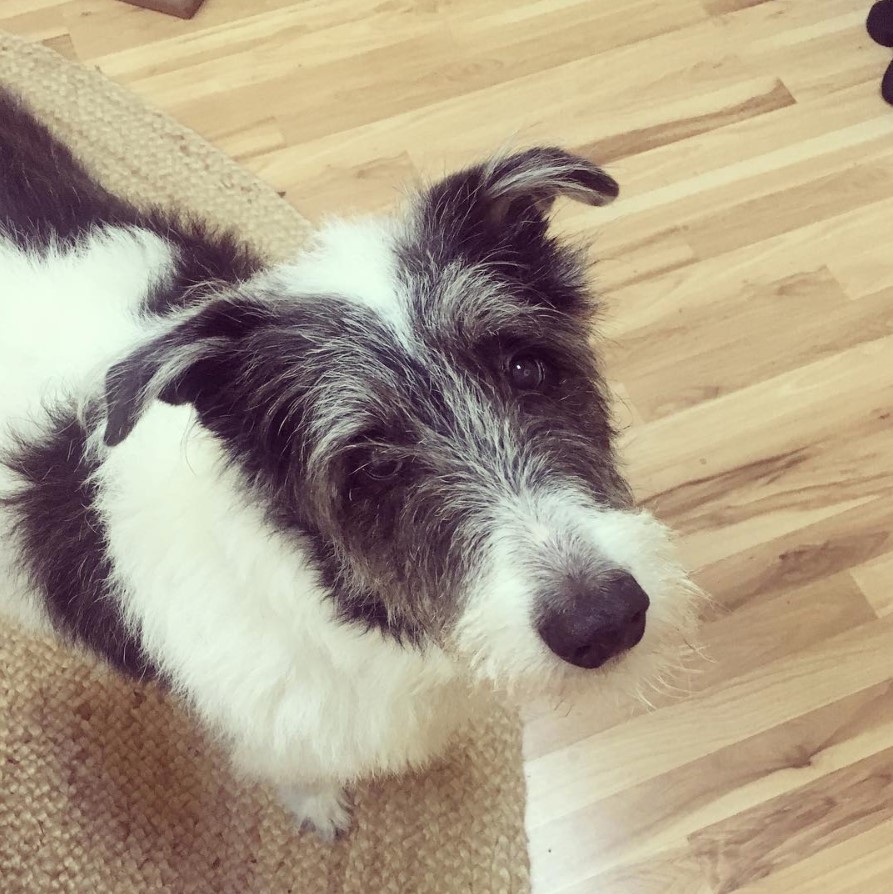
[{"x": 320, "y": 807}]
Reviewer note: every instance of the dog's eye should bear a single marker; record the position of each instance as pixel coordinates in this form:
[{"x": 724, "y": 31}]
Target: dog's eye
[
  {"x": 370, "y": 473},
  {"x": 382, "y": 469},
  {"x": 527, "y": 372},
  {"x": 374, "y": 463}
]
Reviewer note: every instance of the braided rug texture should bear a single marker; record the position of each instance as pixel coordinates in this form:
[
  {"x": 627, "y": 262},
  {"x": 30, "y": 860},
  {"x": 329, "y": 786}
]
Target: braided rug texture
[{"x": 107, "y": 785}]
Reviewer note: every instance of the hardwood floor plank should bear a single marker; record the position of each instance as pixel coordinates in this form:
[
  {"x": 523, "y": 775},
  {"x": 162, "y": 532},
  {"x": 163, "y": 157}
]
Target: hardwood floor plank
[
  {"x": 860, "y": 864},
  {"x": 674, "y": 871},
  {"x": 724, "y": 359},
  {"x": 756, "y": 842},
  {"x": 663, "y": 813},
  {"x": 791, "y": 208},
  {"x": 610, "y": 761},
  {"x": 733, "y": 643},
  {"x": 874, "y": 578}
]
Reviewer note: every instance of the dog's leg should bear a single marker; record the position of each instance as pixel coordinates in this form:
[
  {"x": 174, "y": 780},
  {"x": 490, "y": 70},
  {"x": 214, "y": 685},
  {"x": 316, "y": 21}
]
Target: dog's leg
[{"x": 320, "y": 805}]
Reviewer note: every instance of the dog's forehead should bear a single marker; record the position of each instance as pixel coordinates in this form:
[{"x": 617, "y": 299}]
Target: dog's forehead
[
  {"x": 410, "y": 329},
  {"x": 384, "y": 266},
  {"x": 357, "y": 262}
]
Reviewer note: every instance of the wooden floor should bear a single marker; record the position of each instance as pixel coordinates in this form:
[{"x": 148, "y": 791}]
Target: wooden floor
[{"x": 748, "y": 268}]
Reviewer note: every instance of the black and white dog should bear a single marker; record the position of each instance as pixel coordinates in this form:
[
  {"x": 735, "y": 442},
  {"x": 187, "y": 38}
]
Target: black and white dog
[{"x": 326, "y": 501}]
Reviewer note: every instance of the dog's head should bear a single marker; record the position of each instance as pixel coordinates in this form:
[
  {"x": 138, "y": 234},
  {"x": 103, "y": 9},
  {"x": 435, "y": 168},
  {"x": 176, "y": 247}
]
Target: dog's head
[{"x": 418, "y": 401}]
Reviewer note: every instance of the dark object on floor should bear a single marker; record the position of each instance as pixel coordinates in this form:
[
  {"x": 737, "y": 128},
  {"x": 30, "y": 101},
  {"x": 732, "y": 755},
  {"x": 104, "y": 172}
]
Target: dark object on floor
[
  {"x": 184, "y": 9},
  {"x": 880, "y": 29},
  {"x": 887, "y": 84},
  {"x": 880, "y": 23}
]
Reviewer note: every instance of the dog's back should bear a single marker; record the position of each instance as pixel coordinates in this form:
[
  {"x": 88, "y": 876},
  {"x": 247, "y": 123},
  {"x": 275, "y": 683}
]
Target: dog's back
[
  {"x": 77, "y": 263},
  {"x": 84, "y": 276},
  {"x": 45, "y": 193},
  {"x": 72, "y": 270}
]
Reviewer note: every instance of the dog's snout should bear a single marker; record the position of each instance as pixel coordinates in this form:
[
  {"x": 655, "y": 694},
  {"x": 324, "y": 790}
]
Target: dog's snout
[{"x": 586, "y": 625}]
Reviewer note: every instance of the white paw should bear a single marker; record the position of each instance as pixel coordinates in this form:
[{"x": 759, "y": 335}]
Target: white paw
[{"x": 322, "y": 807}]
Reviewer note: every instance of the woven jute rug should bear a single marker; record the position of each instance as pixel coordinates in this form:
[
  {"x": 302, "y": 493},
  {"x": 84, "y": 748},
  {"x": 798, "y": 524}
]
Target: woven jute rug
[{"x": 107, "y": 785}]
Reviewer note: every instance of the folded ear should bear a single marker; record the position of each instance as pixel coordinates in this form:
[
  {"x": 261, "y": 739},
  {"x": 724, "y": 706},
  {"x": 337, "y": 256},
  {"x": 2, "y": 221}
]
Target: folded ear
[
  {"x": 539, "y": 176},
  {"x": 511, "y": 195},
  {"x": 177, "y": 366}
]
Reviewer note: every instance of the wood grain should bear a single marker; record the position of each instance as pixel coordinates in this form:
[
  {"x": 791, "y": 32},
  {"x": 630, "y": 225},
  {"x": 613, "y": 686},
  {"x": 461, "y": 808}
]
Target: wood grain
[{"x": 748, "y": 275}]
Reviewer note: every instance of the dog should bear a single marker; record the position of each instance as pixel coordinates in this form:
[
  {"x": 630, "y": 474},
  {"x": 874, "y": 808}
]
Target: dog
[{"x": 334, "y": 503}]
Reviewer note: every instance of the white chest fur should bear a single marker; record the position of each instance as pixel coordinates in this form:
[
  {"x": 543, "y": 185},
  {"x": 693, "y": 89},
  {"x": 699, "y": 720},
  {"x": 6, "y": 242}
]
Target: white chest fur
[{"x": 239, "y": 621}]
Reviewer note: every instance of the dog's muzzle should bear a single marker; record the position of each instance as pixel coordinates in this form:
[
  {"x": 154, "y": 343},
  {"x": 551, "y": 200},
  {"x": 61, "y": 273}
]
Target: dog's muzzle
[{"x": 587, "y": 623}]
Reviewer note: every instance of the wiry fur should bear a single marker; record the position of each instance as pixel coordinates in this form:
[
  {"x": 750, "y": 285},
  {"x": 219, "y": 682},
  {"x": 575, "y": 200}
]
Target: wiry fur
[{"x": 310, "y": 497}]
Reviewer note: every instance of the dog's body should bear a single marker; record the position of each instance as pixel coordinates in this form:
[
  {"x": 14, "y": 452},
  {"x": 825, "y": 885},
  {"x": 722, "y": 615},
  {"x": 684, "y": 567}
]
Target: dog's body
[{"x": 328, "y": 502}]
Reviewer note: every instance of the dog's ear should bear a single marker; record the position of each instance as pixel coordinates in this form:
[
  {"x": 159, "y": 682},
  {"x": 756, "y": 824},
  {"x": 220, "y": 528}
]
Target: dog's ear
[
  {"x": 513, "y": 184},
  {"x": 508, "y": 199},
  {"x": 177, "y": 366}
]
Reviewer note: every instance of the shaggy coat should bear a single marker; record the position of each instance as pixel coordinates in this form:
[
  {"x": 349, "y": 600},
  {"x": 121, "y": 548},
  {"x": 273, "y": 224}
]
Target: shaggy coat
[{"x": 327, "y": 501}]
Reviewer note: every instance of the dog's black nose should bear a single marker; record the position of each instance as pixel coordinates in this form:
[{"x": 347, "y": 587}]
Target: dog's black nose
[{"x": 587, "y": 625}]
